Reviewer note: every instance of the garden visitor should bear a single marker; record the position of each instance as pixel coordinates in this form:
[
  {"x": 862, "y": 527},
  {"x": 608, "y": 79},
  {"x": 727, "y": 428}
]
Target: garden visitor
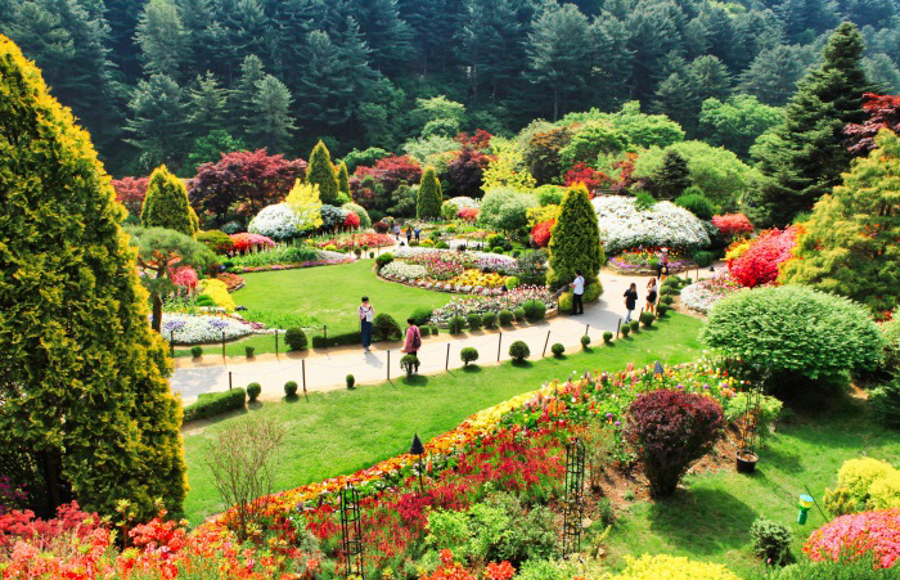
[
  {"x": 651, "y": 295},
  {"x": 577, "y": 294},
  {"x": 631, "y": 296},
  {"x": 413, "y": 338},
  {"x": 662, "y": 268},
  {"x": 366, "y": 317},
  {"x": 418, "y": 232},
  {"x": 409, "y": 235},
  {"x": 397, "y": 232}
]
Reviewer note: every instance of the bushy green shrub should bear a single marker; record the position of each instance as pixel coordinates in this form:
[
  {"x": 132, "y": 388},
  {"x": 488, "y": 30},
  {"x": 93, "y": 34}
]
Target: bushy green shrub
[
  {"x": 506, "y": 317},
  {"x": 696, "y": 204},
  {"x": 421, "y": 316},
  {"x": 625, "y": 330},
  {"x": 575, "y": 242},
  {"x": 383, "y": 260},
  {"x": 351, "y": 381},
  {"x": 519, "y": 351},
  {"x": 410, "y": 364},
  {"x": 474, "y": 321},
  {"x": 647, "y": 319},
  {"x": 534, "y": 310},
  {"x": 196, "y": 351},
  {"x": 885, "y": 403},
  {"x": 801, "y": 333},
  {"x": 468, "y": 355},
  {"x": 635, "y": 326},
  {"x": 290, "y": 389},
  {"x": 253, "y": 391},
  {"x": 593, "y": 291},
  {"x": 295, "y": 338},
  {"x": 862, "y": 568},
  {"x": 497, "y": 250},
  {"x": 607, "y": 337},
  {"x": 519, "y": 313},
  {"x": 566, "y": 306},
  {"x": 704, "y": 258},
  {"x": 489, "y": 320},
  {"x": 557, "y": 349},
  {"x": 249, "y": 351},
  {"x": 585, "y": 342},
  {"x": 662, "y": 310},
  {"x": 667, "y": 300},
  {"x": 643, "y": 200},
  {"x": 456, "y": 324},
  {"x": 769, "y": 409},
  {"x": 442, "y": 246},
  {"x": 211, "y": 404},
  {"x": 384, "y": 327},
  {"x": 771, "y": 541},
  {"x": 864, "y": 484}
]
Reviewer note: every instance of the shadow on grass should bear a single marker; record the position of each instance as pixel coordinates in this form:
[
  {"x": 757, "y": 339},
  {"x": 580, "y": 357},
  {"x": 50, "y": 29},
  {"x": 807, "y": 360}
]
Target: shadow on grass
[
  {"x": 471, "y": 369},
  {"x": 254, "y": 405},
  {"x": 525, "y": 364},
  {"x": 718, "y": 522},
  {"x": 415, "y": 381},
  {"x": 780, "y": 459}
]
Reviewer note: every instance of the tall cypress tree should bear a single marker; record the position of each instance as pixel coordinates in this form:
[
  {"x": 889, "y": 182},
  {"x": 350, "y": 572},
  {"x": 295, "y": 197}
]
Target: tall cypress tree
[
  {"x": 87, "y": 409},
  {"x": 321, "y": 172},
  {"x": 804, "y": 156},
  {"x": 575, "y": 241},
  {"x": 159, "y": 122},
  {"x": 343, "y": 179},
  {"x": 430, "y": 198},
  {"x": 166, "y": 204}
]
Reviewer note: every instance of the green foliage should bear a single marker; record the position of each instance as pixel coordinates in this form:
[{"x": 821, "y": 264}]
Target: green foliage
[
  {"x": 557, "y": 349},
  {"x": 672, "y": 176},
  {"x": 474, "y": 321},
  {"x": 290, "y": 389},
  {"x": 519, "y": 313},
  {"x": 550, "y": 195},
  {"x": 468, "y": 355},
  {"x": 383, "y": 260},
  {"x": 253, "y": 391},
  {"x": 456, "y": 324},
  {"x": 696, "y": 204},
  {"x": 384, "y": 327},
  {"x": 593, "y": 139},
  {"x": 798, "y": 331},
  {"x": 771, "y": 541},
  {"x": 295, "y": 338},
  {"x": 505, "y": 317},
  {"x": 662, "y": 310},
  {"x": 607, "y": 337},
  {"x": 575, "y": 241},
  {"x": 861, "y": 568},
  {"x": 410, "y": 363},
  {"x": 585, "y": 342},
  {"x": 864, "y": 484},
  {"x": 885, "y": 403},
  {"x": 343, "y": 179},
  {"x": 625, "y": 329},
  {"x": 166, "y": 204},
  {"x": 212, "y": 404},
  {"x": 217, "y": 241},
  {"x": 769, "y": 409},
  {"x": 647, "y": 319},
  {"x": 489, "y": 320},
  {"x": 365, "y": 221},
  {"x": 421, "y": 316},
  {"x": 703, "y": 258},
  {"x": 850, "y": 244},
  {"x": 65, "y": 261},
  {"x": 635, "y": 326},
  {"x": 249, "y": 351},
  {"x": 519, "y": 351},
  {"x": 736, "y": 122},
  {"x": 506, "y": 209},
  {"x": 533, "y": 310},
  {"x": 321, "y": 173},
  {"x": 196, "y": 351},
  {"x": 430, "y": 198},
  {"x": 350, "y": 381}
]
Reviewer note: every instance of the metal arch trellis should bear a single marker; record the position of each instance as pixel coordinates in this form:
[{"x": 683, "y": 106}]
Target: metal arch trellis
[
  {"x": 351, "y": 532},
  {"x": 574, "y": 497}
]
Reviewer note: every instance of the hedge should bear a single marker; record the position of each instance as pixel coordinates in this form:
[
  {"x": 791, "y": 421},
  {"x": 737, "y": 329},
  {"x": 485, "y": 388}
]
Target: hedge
[{"x": 212, "y": 404}]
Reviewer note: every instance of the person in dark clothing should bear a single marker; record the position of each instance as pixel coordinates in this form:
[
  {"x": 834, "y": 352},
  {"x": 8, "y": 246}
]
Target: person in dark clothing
[{"x": 631, "y": 296}]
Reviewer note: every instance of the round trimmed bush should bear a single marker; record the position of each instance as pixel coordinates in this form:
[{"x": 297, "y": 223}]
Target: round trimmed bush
[
  {"x": 519, "y": 313},
  {"x": 667, "y": 299},
  {"x": 421, "y": 316},
  {"x": 489, "y": 320},
  {"x": 384, "y": 327},
  {"x": 647, "y": 319},
  {"x": 585, "y": 342},
  {"x": 519, "y": 351},
  {"x": 506, "y": 317},
  {"x": 558, "y": 349},
  {"x": 383, "y": 260},
  {"x": 351, "y": 380},
  {"x": 442, "y": 246},
  {"x": 607, "y": 337},
  {"x": 249, "y": 351},
  {"x": 410, "y": 364},
  {"x": 669, "y": 430},
  {"x": 468, "y": 355},
  {"x": 295, "y": 338},
  {"x": 662, "y": 310},
  {"x": 456, "y": 324},
  {"x": 697, "y": 205},
  {"x": 497, "y": 250},
  {"x": 290, "y": 389},
  {"x": 635, "y": 326},
  {"x": 534, "y": 310},
  {"x": 196, "y": 351},
  {"x": 626, "y": 329},
  {"x": 474, "y": 321},
  {"x": 253, "y": 391}
]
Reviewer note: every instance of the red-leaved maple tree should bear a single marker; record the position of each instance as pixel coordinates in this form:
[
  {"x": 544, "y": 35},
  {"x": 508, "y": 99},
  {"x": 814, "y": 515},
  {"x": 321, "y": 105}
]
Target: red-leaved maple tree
[
  {"x": 130, "y": 192},
  {"x": 884, "y": 113}
]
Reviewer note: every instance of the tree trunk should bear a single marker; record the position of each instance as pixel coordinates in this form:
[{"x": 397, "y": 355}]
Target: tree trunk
[{"x": 157, "y": 312}]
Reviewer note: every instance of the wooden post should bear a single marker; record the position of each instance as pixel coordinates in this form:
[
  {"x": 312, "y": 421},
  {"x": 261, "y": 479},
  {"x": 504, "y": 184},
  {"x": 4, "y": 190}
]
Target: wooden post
[
  {"x": 303, "y": 368},
  {"x": 276, "y": 342},
  {"x": 546, "y": 342},
  {"x": 447, "y": 362},
  {"x": 587, "y": 329},
  {"x": 223, "y": 346},
  {"x": 389, "y": 366},
  {"x": 172, "y": 343},
  {"x": 499, "y": 345},
  {"x": 229, "y": 380},
  {"x": 618, "y": 327}
]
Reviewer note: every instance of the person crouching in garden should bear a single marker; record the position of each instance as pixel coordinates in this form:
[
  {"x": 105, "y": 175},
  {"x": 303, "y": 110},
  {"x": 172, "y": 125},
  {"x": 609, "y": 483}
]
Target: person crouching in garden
[
  {"x": 577, "y": 294},
  {"x": 366, "y": 318},
  {"x": 413, "y": 338},
  {"x": 631, "y": 296}
]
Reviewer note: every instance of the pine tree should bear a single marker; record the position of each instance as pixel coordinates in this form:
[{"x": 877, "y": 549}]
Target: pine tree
[
  {"x": 491, "y": 45},
  {"x": 804, "y": 156},
  {"x": 343, "y": 179},
  {"x": 243, "y": 109},
  {"x": 270, "y": 124},
  {"x": 773, "y": 75},
  {"x": 166, "y": 204},
  {"x": 653, "y": 36},
  {"x": 672, "y": 177},
  {"x": 430, "y": 198},
  {"x": 385, "y": 32},
  {"x": 158, "y": 122},
  {"x": 610, "y": 56},
  {"x": 86, "y": 408},
  {"x": 321, "y": 173},
  {"x": 850, "y": 243},
  {"x": 163, "y": 40},
  {"x": 575, "y": 241},
  {"x": 208, "y": 103},
  {"x": 676, "y": 97}
]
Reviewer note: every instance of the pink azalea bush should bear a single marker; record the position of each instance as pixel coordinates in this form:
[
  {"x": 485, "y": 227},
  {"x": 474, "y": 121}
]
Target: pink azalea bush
[
  {"x": 853, "y": 535},
  {"x": 759, "y": 263},
  {"x": 732, "y": 224},
  {"x": 184, "y": 277},
  {"x": 245, "y": 241}
]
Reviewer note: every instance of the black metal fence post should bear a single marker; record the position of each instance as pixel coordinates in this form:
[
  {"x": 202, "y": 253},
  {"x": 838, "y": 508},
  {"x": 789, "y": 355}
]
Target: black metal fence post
[{"x": 229, "y": 380}]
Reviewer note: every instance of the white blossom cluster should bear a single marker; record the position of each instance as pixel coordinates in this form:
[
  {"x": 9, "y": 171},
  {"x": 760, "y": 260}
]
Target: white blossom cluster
[
  {"x": 196, "y": 329},
  {"x": 462, "y": 202},
  {"x": 480, "y": 260},
  {"x": 402, "y": 271},
  {"x": 623, "y": 227},
  {"x": 277, "y": 221}
]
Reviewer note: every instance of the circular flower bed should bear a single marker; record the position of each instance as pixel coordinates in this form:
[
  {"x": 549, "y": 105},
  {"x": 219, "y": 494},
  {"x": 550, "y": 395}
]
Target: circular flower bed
[
  {"x": 645, "y": 261},
  {"x": 357, "y": 241},
  {"x": 196, "y": 329},
  {"x": 451, "y": 271},
  {"x": 483, "y": 304},
  {"x": 701, "y": 296},
  {"x": 624, "y": 226}
]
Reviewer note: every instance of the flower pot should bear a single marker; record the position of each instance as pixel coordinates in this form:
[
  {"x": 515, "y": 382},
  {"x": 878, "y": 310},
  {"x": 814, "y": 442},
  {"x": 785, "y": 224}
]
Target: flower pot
[{"x": 746, "y": 463}]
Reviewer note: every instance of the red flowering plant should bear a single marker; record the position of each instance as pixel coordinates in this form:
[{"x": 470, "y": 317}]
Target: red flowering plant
[
  {"x": 356, "y": 241},
  {"x": 758, "y": 263},
  {"x": 851, "y": 536},
  {"x": 590, "y": 177},
  {"x": 391, "y": 171},
  {"x": 733, "y": 225},
  {"x": 130, "y": 192},
  {"x": 541, "y": 233},
  {"x": 351, "y": 220},
  {"x": 469, "y": 214},
  {"x": 246, "y": 241},
  {"x": 184, "y": 277},
  {"x": 480, "y": 140}
]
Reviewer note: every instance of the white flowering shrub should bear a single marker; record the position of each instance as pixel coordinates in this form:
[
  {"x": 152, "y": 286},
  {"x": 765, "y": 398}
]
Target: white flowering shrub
[
  {"x": 622, "y": 226},
  {"x": 277, "y": 221},
  {"x": 196, "y": 329},
  {"x": 463, "y": 202},
  {"x": 398, "y": 270},
  {"x": 702, "y": 296}
]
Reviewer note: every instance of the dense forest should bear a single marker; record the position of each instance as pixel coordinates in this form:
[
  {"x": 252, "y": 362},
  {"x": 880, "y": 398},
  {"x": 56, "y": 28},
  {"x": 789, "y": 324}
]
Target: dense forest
[{"x": 178, "y": 81}]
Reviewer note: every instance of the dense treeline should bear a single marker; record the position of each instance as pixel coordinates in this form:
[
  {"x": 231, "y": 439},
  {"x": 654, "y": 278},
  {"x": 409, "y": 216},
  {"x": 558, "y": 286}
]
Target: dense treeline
[{"x": 177, "y": 81}]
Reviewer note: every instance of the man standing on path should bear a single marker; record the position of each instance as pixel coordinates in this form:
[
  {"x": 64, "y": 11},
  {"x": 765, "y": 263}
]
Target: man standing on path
[
  {"x": 409, "y": 234},
  {"x": 413, "y": 338},
  {"x": 366, "y": 318},
  {"x": 577, "y": 294},
  {"x": 418, "y": 232}
]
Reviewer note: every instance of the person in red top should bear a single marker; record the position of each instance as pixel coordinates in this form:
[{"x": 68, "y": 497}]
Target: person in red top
[{"x": 413, "y": 338}]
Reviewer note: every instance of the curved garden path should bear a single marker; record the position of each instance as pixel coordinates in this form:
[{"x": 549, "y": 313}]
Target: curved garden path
[{"x": 326, "y": 369}]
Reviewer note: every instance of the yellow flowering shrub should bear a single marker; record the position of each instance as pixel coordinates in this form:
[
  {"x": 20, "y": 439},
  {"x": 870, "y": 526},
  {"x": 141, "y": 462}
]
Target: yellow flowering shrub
[
  {"x": 218, "y": 291},
  {"x": 649, "y": 567},
  {"x": 884, "y": 493},
  {"x": 737, "y": 249},
  {"x": 864, "y": 483}
]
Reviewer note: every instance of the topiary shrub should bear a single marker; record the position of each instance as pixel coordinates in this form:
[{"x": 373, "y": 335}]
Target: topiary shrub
[
  {"x": 519, "y": 313},
  {"x": 196, "y": 351},
  {"x": 421, "y": 316},
  {"x": 383, "y": 260},
  {"x": 662, "y": 310},
  {"x": 410, "y": 364},
  {"x": 771, "y": 541},
  {"x": 295, "y": 338},
  {"x": 290, "y": 389},
  {"x": 253, "y": 391},
  {"x": 384, "y": 327},
  {"x": 607, "y": 337},
  {"x": 704, "y": 258},
  {"x": 249, "y": 351},
  {"x": 468, "y": 355},
  {"x": 351, "y": 381},
  {"x": 635, "y": 326},
  {"x": 667, "y": 300},
  {"x": 669, "y": 430},
  {"x": 474, "y": 321},
  {"x": 489, "y": 320},
  {"x": 647, "y": 319},
  {"x": 557, "y": 349},
  {"x": 506, "y": 317},
  {"x": 211, "y": 404},
  {"x": 519, "y": 351},
  {"x": 625, "y": 330},
  {"x": 442, "y": 246},
  {"x": 585, "y": 342},
  {"x": 456, "y": 324},
  {"x": 534, "y": 310},
  {"x": 593, "y": 291},
  {"x": 801, "y": 333}
]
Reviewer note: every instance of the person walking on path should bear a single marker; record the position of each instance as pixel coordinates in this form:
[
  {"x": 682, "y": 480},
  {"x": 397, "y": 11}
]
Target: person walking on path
[
  {"x": 366, "y": 318},
  {"x": 651, "y": 295},
  {"x": 409, "y": 235},
  {"x": 577, "y": 294},
  {"x": 631, "y": 296},
  {"x": 413, "y": 338},
  {"x": 418, "y": 232},
  {"x": 397, "y": 232}
]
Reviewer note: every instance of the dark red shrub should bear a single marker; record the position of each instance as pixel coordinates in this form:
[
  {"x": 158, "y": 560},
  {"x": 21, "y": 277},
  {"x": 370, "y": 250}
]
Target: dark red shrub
[
  {"x": 391, "y": 171},
  {"x": 540, "y": 235},
  {"x": 590, "y": 177},
  {"x": 480, "y": 140},
  {"x": 669, "y": 430},
  {"x": 465, "y": 173},
  {"x": 130, "y": 192},
  {"x": 884, "y": 113}
]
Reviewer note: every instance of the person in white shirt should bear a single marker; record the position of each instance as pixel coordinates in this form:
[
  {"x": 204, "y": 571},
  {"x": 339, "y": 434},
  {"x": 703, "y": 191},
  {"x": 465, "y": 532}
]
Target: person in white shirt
[
  {"x": 577, "y": 294},
  {"x": 366, "y": 317}
]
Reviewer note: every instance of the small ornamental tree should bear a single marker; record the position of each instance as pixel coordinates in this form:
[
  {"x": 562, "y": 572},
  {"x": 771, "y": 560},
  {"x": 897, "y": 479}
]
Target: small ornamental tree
[
  {"x": 166, "y": 204},
  {"x": 669, "y": 430},
  {"x": 884, "y": 113},
  {"x": 732, "y": 225},
  {"x": 672, "y": 177},
  {"x": 343, "y": 179},
  {"x": 130, "y": 192},
  {"x": 430, "y": 198},
  {"x": 575, "y": 241},
  {"x": 851, "y": 245},
  {"x": 321, "y": 173},
  {"x": 307, "y": 206}
]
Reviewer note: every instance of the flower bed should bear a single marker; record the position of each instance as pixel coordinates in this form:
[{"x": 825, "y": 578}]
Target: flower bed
[
  {"x": 645, "y": 261},
  {"x": 232, "y": 281},
  {"x": 197, "y": 328},
  {"x": 483, "y": 304},
  {"x": 451, "y": 271},
  {"x": 623, "y": 226},
  {"x": 357, "y": 241},
  {"x": 757, "y": 262},
  {"x": 851, "y": 536},
  {"x": 286, "y": 258},
  {"x": 701, "y": 296},
  {"x": 246, "y": 241}
]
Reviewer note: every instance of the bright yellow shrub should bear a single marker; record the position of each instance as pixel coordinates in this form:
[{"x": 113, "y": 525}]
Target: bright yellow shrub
[
  {"x": 884, "y": 493},
  {"x": 858, "y": 475},
  {"x": 218, "y": 291},
  {"x": 649, "y": 567}
]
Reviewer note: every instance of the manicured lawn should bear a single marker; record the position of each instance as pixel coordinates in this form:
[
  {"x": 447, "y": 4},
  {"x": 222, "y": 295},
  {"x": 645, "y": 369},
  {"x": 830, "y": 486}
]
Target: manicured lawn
[
  {"x": 345, "y": 431},
  {"x": 710, "y": 521}
]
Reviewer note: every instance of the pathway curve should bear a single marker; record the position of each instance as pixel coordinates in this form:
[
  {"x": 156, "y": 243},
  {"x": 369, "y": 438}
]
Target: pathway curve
[{"x": 326, "y": 369}]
